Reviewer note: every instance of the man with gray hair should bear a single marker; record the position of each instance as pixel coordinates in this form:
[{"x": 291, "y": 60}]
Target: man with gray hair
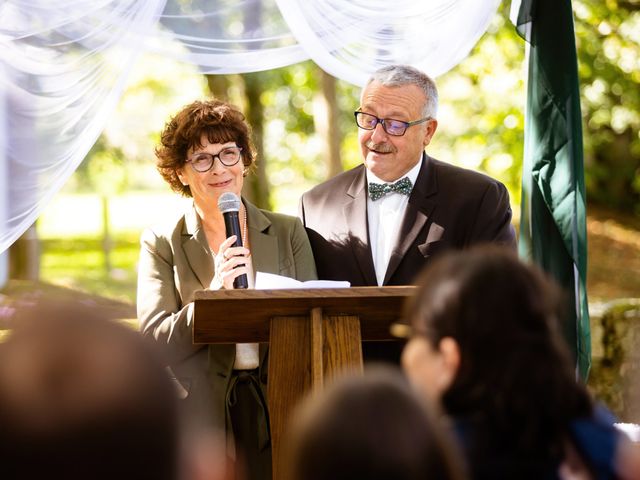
[{"x": 381, "y": 222}]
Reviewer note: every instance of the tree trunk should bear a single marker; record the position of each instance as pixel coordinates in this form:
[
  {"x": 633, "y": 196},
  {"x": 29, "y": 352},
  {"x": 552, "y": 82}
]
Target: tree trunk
[
  {"x": 327, "y": 124},
  {"x": 256, "y": 187},
  {"x": 107, "y": 243},
  {"x": 256, "y": 184},
  {"x": 218, "y": 86},
  {"x": 24, "y": 256}
]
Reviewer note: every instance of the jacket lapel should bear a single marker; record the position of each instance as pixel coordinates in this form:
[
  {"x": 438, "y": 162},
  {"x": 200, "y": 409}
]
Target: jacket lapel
[
  {"x": 196, "y": 248},
  {"x": 355, "y": 218},
  {"x": 416, "y": 215},
  {"x": 264, "y": 247}
]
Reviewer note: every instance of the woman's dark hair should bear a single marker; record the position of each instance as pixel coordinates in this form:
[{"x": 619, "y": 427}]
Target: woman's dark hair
[
  {"x": 219, "y": 121},
  {"x": 515, "y": 383},
  {"x": 372, "y": 427}
]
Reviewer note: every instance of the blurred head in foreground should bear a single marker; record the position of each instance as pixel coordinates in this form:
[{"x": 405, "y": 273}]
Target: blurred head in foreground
[
  {"x": 484, "y": 318},
  {"x": 371, "y": 427},
  {"x": 485, "y": 344},
  {"x": 83, "y": 397}
]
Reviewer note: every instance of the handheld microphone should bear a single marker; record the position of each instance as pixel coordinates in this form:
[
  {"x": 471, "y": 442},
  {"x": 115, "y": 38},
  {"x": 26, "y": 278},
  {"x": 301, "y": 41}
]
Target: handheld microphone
[{"x": 229, "y": 206}]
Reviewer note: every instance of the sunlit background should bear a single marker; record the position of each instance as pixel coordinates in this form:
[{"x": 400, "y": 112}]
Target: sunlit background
[{"x": 89, "y": 232}]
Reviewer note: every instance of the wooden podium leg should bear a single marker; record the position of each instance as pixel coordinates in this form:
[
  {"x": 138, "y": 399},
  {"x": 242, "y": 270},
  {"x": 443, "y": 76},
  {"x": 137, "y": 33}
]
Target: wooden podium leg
[
  {"x": 317, "y": 343},
  {"x": 303, "y": 352},
  {"x": 288, "y": 380},
  {"x": 342, "y": 345}
]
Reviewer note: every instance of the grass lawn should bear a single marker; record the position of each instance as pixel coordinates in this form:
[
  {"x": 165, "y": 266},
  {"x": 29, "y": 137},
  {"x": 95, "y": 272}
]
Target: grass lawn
[
  {"x": 70, "y": 231},
  {"x": 80, "y": 264}
]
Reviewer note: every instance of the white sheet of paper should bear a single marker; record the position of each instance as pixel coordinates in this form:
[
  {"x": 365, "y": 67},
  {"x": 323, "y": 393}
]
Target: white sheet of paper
[{"x": 268, "y": 281}]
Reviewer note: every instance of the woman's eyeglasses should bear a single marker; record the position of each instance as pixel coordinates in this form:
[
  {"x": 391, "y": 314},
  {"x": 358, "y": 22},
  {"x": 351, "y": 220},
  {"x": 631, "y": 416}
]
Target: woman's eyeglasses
[{"x": 203, "y": 162}]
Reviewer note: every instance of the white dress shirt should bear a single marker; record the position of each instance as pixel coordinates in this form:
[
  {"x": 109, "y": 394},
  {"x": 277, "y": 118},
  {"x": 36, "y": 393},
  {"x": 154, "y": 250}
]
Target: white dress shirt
[{"x": 385, "y": 217}]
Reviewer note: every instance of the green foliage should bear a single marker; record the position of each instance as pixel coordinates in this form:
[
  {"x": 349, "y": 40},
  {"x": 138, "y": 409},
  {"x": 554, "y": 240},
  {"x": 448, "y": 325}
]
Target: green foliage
[
  {"x": 348, "y": 102},
  {"x": 481, "y": 124},
  {"x": 107, "y": 172},
  {"x": 483, "y": 100},
  {"x": 290, "y": 99},
  {"x": 481, "y": 115},
  {"x": 289, "y": 118},
  {"x": 481, "y": 118},
  {"x": 103, "y": 170},
  {"x": 608, "y": 39}
]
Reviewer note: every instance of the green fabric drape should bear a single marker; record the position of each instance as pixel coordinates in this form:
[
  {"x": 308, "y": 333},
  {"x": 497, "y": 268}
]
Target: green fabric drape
[{"x": 553, "y": 221}]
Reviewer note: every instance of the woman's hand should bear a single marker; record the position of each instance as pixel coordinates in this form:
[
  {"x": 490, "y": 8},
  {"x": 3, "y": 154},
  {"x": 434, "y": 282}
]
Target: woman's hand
[{"x": 226, "y": 260}]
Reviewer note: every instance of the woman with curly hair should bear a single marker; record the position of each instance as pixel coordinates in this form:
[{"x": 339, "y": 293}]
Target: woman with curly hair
[{"x": 205, "y": 151}]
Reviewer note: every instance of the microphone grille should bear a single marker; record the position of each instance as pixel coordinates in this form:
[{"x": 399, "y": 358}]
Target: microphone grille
[{"x": 228, "y": 202}]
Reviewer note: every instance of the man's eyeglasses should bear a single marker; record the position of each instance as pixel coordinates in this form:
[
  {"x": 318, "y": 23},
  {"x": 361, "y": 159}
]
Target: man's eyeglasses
[
  {"x": 203, "y": 162},
  {"x": 391, "y": 126}
]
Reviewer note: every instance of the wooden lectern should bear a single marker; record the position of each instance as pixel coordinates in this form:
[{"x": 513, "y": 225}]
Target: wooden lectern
[{"x": 313, "y": 334}]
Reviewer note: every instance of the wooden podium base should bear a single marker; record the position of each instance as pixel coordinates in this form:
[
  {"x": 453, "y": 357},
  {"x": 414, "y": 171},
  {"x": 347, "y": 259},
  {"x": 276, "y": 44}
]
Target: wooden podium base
[{"x": 313, "y": 335}]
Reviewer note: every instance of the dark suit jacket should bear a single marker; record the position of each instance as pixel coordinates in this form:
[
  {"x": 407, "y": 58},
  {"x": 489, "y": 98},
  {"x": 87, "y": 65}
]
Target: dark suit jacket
[
  {"x": 175, "y": 262},
  {"x": 449, "y": 208}
]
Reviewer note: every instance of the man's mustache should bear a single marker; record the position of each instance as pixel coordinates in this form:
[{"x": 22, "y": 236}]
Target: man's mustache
[{"x": 380, "y": 147}]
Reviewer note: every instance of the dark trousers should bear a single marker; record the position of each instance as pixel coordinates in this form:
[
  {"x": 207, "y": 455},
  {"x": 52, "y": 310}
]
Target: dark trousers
[{"x": 250, "y": 422}]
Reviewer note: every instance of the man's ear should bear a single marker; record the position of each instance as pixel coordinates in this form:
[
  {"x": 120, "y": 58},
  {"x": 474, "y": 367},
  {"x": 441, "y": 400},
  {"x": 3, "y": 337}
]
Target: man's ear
[
  {"x": 450, "y": 352},
  {"x": 432, "y": 126}
]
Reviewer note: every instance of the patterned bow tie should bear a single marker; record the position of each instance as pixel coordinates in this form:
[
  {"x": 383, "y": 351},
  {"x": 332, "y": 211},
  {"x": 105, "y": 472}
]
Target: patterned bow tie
[{"x": 379, "y": 190}]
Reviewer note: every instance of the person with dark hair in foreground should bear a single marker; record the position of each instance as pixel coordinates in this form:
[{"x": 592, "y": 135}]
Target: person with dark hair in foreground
[
  {"x": 485, "y": 343},
  {"x": 371, "y": 427},
  {"x": 82, "y": 397}
]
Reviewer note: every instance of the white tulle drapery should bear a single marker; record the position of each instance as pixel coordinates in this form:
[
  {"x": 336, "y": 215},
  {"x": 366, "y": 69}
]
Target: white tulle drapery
[
  {"x": 63, "y": 65},
  {"x": 350, "y": 39},
  {"x": 63, "y": 71}
]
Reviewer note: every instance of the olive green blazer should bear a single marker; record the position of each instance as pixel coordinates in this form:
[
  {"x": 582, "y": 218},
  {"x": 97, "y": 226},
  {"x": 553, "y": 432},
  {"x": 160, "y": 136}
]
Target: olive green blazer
[{"x": 176, "y": 261}]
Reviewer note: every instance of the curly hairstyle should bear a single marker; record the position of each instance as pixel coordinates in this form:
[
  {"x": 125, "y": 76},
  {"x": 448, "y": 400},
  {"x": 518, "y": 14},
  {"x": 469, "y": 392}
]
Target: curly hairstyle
[
  {"x": 218, "y": 120},
  {"x": 515, "y": 383}
]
